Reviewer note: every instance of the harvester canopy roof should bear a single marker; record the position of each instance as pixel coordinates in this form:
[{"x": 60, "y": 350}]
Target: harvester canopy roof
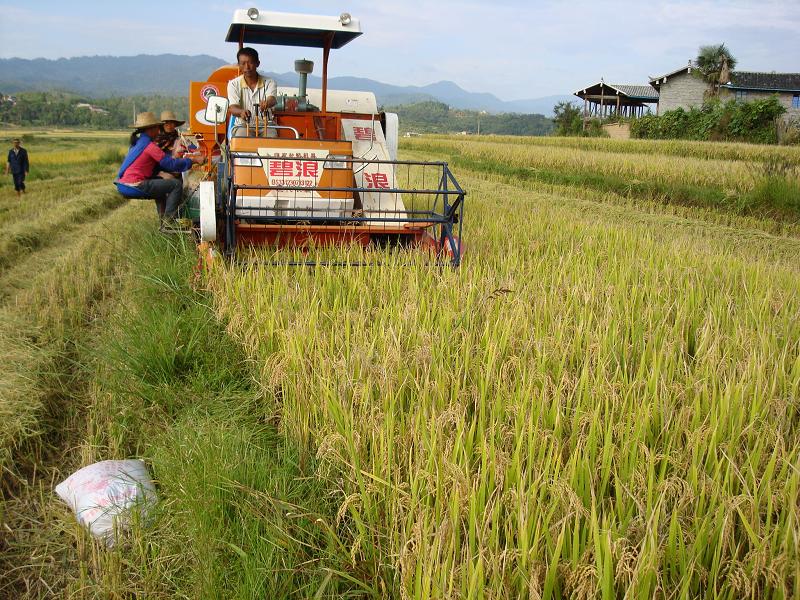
[{"x": 286, "y": 29}]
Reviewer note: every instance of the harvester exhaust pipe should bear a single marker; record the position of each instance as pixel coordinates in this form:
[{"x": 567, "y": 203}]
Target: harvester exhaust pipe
[{"x": 303, "y": 68}]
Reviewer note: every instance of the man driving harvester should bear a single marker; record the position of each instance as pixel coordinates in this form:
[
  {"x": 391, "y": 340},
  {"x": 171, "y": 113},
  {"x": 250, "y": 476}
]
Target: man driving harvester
[{"x": 251, "y": 96}]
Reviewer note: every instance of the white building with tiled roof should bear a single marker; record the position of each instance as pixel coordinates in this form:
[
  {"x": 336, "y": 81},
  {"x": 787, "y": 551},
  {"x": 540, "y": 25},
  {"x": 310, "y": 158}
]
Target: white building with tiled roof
[{"x": 683, "y": 88}]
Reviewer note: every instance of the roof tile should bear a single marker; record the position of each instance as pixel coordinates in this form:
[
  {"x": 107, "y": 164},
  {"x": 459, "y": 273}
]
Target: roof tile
[
  {"x": 765, "y": 81},
  {"x": 636, "y": 91}
]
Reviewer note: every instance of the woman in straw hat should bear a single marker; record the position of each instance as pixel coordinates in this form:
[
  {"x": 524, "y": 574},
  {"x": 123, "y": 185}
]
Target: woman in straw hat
[
  {"x": 170, "y": 121},
  {"x": 135, "y": 177},
  {"x": 168, "y": 139}
]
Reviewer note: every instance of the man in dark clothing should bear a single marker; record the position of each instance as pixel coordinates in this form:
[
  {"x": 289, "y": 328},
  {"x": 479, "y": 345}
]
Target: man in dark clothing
[{"x": 18, "y": 165}]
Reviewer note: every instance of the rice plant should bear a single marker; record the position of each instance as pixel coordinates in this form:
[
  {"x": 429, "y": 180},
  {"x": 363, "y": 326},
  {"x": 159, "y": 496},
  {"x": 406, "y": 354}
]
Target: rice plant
[{"x": 587, "y": 408}]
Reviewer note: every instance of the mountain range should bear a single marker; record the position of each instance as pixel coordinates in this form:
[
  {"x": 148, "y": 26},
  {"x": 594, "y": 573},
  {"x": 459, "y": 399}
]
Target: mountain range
[{"x": 169, "y": 75}]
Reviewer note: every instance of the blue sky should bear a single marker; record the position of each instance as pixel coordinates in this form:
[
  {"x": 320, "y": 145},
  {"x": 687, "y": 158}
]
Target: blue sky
[{"x": 513, "y": 49}]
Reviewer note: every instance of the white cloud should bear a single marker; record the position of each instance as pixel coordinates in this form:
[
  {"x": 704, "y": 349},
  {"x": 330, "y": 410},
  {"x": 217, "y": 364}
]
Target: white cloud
[{"x": 515, "y": 49}]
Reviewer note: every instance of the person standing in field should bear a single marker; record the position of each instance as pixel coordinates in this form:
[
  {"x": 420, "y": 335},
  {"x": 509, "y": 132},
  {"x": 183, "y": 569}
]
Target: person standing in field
[
  {"x": 250, "y": 94},
  {"x": 18, "y": 165},
  {"x": 136, "y": 175}
]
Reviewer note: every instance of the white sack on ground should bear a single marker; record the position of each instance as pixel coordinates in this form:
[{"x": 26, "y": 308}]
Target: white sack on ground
[{"x": 106, "y": 492}]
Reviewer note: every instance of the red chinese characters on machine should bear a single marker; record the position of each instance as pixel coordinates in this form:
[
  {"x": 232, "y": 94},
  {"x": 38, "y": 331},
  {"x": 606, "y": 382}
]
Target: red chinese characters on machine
[
  {"x": 293, "y": 168},
  {"x": 376, "y": 181},
  {"x": 364, "y": 133}
]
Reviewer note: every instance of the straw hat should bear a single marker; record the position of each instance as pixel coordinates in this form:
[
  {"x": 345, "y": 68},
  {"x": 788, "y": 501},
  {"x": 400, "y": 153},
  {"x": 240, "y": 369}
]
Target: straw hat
[
  {"x": 145, "y": 120},
  {"x": 168, "y": 115}
]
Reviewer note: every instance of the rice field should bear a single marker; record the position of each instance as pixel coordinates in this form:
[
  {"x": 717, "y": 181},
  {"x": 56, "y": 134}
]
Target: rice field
[
  {"x": 736, "y": 175},
  {"x": 602, "y": 402},
  {"x": 685, "y": 148},
  {"x": 596, "y": 405}
]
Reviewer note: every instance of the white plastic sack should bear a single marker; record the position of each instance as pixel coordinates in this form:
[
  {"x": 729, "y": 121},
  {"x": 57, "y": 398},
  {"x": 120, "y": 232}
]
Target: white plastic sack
[{"x": 103, "y": 494}]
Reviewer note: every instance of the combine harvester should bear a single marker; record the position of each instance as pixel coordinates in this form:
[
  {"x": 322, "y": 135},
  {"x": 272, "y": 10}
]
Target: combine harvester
[{"x": 324, "y": 170}]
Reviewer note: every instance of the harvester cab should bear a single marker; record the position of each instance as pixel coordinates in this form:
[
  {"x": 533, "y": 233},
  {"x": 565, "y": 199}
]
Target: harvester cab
[{"x": 321, "y": 167}]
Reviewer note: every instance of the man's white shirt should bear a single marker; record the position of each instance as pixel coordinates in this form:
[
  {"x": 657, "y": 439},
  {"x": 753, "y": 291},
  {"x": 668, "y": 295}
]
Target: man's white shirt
[{"x": 240, "y": 93}]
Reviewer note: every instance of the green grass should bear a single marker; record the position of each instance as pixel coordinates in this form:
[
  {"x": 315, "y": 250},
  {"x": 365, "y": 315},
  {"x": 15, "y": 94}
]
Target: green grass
[
  {"x": 241, "y": 514},
  {"x": 61, "y": 265},
  {"x": 777, "y": 185},
  {"x": 111, "y": 156},
  {"x": 40, "y": 320},
  {"x": 38, "y": 230},
  {"x": 153, "y": 374}
]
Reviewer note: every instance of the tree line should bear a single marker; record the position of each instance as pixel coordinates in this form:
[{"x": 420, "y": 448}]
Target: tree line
[
  {"x": 437, "y": 117},
  {"x": 48, "y": 109}
]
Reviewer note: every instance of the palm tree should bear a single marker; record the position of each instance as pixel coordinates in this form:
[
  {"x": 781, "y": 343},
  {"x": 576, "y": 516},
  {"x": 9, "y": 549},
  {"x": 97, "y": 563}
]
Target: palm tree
[{"x": 715, "y": 64}]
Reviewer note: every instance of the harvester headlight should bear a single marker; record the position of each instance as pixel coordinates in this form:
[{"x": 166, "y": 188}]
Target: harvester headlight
[
  {"x": 252, "y": 13},
  {"x": 345, "y": 18}
]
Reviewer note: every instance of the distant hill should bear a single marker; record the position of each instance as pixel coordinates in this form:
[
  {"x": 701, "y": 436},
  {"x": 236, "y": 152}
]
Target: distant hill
[
  {"x": 169, "y": 75},
  {"x": 104, "y": 76}
]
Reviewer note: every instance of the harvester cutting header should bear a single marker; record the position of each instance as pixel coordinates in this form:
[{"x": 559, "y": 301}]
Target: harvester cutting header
[{"x": 318, "y": 166}]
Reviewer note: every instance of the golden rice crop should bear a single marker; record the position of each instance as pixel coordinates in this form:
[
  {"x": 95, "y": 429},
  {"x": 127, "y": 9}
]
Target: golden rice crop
[
  {"x": 594, "y": 405},
  {"x": 63, "y": 157},
  {"x": 36, "y": 321},
  {"x": 736, "y": 176},
  {"x": 686, "y": 148}
]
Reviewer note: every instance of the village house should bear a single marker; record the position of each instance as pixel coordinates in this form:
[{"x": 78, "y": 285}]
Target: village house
[
  {"x": 683, "y": 88},
  {"x": 90, "y": 108}
]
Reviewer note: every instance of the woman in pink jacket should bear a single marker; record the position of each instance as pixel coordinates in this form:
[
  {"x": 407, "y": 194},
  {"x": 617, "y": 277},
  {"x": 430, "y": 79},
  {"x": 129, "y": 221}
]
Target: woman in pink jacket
[{"x": 135, "y": 178}]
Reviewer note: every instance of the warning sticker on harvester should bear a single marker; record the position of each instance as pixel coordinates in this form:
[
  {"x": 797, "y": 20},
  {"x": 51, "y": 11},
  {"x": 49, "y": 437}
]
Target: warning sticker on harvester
[
  {"x": 301, "y": 170},
  {"x": 297, "y": 167}
]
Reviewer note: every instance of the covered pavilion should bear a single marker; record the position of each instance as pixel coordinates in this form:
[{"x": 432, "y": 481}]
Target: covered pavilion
[{"x": 603, "y": 100}]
